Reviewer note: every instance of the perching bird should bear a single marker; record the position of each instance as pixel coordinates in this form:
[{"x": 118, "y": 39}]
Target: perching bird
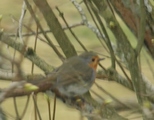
[{"x": 76, "y": 76}]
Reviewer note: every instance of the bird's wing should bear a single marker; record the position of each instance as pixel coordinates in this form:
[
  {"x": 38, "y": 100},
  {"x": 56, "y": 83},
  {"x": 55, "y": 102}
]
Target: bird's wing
[{"x": 74, "y": 71}]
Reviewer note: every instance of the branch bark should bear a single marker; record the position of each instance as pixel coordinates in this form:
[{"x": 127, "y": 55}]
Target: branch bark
[
  {"x": 125, "y": 49},
  {"x": 129, "y": 12},
  {"x": 29, "y": 54},
  {"x": 56, "y": 28}
]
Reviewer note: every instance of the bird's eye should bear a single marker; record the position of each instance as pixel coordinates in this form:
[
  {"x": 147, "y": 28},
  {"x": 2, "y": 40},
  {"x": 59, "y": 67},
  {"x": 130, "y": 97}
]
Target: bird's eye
[{"x": 93, "y": 59}]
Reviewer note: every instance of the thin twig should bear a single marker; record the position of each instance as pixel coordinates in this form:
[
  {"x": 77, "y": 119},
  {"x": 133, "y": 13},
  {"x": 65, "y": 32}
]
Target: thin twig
[
  {"x": 19, "y": 72},
  {"x": 142, "y": 26},
  {"x": 23, "y": 12},
  {"x": 35, "y": 44},
  {"x": 150, "y": 67},
  {"x": 36, "y": 107},
  {"x": 45, "y": 31},
  {"x": 16, "y": 109},
  {"x": 106, "y": 38},
  {"x": 112, "y": 96},
  {"x": 121, "y": 67},
  {"x": 26, "y": 106},
  {"x": 87, "y": 23},
  {"x": 80, "y": 43},
  {"x": 60, "y": 36},
  {"x": 54, "y": 107},
  {"x": 95, "y": 93},
  {"x": 28, "y": 34},
  {"x": 49, "y": 108},
  {"x": 84, "y": 19},
  {"x": 113, "y": 57},
  {"x": 10, "y": 89},
  {"x": 35, "y": 111},
  {"x": 41, "y": 28}
]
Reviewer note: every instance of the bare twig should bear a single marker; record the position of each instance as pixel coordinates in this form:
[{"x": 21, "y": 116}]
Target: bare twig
[
  {"x": 84, "y": 19},
  {"x": 23, "y": 12},
  {"x": 29, "y": 53},
  {"x": 125, "y": 105},
  {"x": 142, "y": 26},
  {"x": 19, "y": 72},
  {"x": 16, "y": 108},
  {"x": 59, "y": 34},
  {"x": 80, "y": 43},
  {"x": 10, "y": 89},
  {"x": 26, "y": 106},
  {"x": 106, "y": 38},
  {"x": 6, "y": 75},
  {"x": 45, "y": 31},
  {"x": 41, "y": 28},
  {"x": 36, "y": 107},
  {"x": 31, "y": 32},
  {"x": 54, "y": 107},
  {"x": 49, "y": 107},
  {"x": 32, "y": 70}
]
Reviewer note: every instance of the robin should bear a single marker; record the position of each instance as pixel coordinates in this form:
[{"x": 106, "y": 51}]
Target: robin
[{"x": 76, "y": 75}]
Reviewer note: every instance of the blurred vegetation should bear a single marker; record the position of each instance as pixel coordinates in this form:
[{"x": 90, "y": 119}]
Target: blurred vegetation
[{"x": 40, "y": 35}]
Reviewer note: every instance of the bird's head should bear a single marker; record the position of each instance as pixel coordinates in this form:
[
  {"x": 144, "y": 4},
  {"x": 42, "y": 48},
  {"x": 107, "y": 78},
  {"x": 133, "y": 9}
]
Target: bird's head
[{"x": 91, "y": 58}]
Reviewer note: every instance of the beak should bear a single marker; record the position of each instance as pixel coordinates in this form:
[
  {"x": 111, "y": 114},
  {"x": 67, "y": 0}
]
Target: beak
[{"x": 100, "y": 59}]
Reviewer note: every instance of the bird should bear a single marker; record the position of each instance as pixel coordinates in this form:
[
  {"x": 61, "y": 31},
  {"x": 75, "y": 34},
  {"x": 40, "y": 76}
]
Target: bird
[{"x": 77, "y": 74}]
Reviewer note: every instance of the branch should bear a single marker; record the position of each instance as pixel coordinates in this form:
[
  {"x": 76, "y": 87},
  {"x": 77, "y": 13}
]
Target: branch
[
  {"x": 85, "y": 20},
  {"x": 142, "y": 25},
  {"x": 113, "y": 75},
  {"x": 23, "y": 12},
  {"x": 9, "y": 90},
  {"x": 106, "y": 39},
  {"x": 6, "y": 74},
  {"x": 29, "y": 54},
  {"x": 41, "y": 28},
  {"x": 124, "y": 48},
  {"x": 129, "y": 12},
  {"x": 76, "y": 38},
  {"x": 55, "y": 27},
  {"x": 87, "y": 107},
  {"x": 45, "y": 31}
]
